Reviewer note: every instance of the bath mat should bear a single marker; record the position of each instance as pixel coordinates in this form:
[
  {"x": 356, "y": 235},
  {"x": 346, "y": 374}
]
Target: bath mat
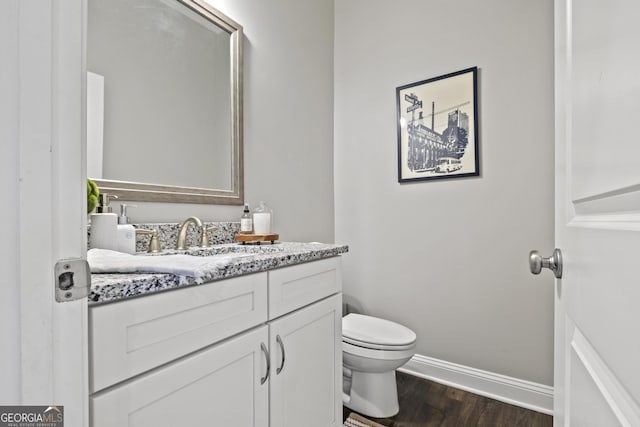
[{"x": 355, "y": 420}]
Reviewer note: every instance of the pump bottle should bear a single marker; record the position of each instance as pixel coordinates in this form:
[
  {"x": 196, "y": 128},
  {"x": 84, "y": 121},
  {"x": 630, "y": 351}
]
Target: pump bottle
[
  {"x": 104, "y": 225},
  {"x": 126, "y": 233}
]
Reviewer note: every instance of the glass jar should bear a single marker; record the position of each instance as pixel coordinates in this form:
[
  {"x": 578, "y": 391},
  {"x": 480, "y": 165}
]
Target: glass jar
[{"x": 262, "y": 217}]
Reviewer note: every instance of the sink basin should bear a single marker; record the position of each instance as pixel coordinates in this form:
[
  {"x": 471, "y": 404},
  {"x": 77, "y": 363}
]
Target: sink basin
[{"x": 227, "y": 248}]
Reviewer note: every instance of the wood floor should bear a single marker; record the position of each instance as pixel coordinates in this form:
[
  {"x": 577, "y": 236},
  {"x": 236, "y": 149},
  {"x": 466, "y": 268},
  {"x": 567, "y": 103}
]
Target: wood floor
[{"x": 425, "y": 403}]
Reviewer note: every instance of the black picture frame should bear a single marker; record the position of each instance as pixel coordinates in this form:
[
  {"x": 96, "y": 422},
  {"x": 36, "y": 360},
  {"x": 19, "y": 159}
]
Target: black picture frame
[{"x": 444, "y": 143}]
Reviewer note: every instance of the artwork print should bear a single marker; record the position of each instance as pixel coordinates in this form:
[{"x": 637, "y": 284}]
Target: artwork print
[{"x": 438, "y": 127}]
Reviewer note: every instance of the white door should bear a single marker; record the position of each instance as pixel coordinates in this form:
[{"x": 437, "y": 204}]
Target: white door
[
  {"x": 44, "y": 342},
  {"x": 306, "y": 366},
  {"x": 597, "y": 324}
]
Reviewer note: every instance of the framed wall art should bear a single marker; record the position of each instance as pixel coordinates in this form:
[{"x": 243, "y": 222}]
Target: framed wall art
[{"x": 438, "y": 127}]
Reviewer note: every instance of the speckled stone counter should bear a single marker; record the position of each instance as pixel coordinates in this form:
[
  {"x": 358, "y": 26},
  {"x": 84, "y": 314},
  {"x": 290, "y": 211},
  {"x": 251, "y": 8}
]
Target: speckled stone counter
[
  {"x": 168, "y": 234},
  {"x": 115, "y": 287}
]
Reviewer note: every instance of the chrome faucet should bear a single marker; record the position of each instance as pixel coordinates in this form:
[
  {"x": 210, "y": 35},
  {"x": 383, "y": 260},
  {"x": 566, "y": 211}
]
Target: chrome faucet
[{"x": 181, "y": 243}]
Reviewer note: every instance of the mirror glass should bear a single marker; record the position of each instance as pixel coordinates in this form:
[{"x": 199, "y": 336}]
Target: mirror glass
[{"x": 163, "y": 101}]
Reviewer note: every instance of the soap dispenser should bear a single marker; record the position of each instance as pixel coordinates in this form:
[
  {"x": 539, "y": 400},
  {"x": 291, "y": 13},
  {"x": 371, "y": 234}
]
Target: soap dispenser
[
  {"x": 126, "y": 234},
  {"x": 104, "y": 225}
]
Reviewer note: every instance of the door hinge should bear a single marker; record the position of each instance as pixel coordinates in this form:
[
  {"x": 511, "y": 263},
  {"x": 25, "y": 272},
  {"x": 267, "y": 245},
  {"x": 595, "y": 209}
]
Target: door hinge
[{"x": 72, "y": 279}]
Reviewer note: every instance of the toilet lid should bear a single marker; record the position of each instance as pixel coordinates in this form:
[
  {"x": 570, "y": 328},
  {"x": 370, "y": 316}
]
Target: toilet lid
[{"x": 373, "y": 330}]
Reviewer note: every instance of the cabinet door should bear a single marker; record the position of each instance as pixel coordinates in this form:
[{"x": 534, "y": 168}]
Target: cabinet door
[
  {"x": 217, "y": 386},
  {"x": 307, "y": 390}
]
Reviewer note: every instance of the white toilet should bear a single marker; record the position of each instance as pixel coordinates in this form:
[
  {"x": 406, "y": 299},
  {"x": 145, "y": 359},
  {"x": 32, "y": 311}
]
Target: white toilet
[{"x": 372, "y": 350}]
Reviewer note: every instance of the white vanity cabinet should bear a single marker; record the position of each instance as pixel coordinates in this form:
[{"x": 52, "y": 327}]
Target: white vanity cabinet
[{"x": 198, "y": 356}]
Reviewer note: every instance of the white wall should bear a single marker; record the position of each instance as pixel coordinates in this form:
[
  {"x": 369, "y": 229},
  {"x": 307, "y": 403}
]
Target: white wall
[
  {"x": 9, "y": 159},
  {"x": 288, "y": 119},
  {"x": 448, "y": 258}
]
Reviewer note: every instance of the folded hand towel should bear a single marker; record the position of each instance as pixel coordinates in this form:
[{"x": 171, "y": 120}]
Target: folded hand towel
[{"x": 106, "y": 261}]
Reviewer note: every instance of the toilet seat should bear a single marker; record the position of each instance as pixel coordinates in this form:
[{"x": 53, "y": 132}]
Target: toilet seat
[
  {"x": 379, "y": 354},
  {"x": 373, "y": 346},
  {"x": 375, "y": 333}
]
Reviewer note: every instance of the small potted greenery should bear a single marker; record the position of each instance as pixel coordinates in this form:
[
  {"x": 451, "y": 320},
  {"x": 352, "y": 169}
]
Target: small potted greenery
[{"x": 92, "y": 195}]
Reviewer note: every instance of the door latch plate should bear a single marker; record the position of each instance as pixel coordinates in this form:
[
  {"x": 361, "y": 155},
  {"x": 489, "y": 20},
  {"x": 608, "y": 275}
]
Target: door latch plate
[{"x": 72, "y": 279}]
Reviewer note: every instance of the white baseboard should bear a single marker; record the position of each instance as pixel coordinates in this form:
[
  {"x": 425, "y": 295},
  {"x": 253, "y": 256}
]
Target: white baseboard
[{"x": 526, "y": 394}]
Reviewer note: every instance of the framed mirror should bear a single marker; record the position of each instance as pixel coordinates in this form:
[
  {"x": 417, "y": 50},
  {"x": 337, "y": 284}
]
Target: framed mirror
[{"x": 164, "y": 101}]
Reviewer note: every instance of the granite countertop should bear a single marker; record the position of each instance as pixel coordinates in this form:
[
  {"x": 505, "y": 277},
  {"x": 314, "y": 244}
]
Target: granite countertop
[{"x": 116, "y": 287}]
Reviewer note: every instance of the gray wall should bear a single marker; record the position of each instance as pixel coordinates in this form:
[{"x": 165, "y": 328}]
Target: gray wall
[
  {"x": 448, "y": 258},
  {"x": 288, "y": 113}
]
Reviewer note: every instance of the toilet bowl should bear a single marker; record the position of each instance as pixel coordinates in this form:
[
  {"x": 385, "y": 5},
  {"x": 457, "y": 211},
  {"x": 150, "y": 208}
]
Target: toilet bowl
[{"x": 372, "y": 350}]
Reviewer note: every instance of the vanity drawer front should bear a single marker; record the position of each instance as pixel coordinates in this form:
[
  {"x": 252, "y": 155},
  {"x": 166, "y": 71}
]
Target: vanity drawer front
[
  {"x": 293, "y": 287},
  {"x": 143, "y": 333}
]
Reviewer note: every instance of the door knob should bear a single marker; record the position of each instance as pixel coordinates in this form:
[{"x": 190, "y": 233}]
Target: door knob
[{"x": 553, "y": 263}]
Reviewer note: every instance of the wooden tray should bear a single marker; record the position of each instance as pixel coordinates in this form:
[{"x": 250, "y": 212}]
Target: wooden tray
[{"x": 256, "y": 238}]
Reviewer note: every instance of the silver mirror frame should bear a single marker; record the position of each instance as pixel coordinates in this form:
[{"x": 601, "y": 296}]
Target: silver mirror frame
[{"x": 135, "y": 191}]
